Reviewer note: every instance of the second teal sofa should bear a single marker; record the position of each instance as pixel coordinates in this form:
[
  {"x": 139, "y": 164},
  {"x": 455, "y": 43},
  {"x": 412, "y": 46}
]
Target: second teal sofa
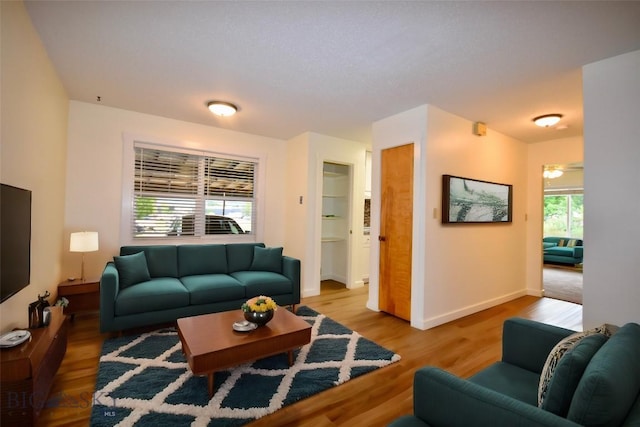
[
  {"x": 562, "y": 250},
  {"x": 596, "y": 382},
  {"x": 147, "y": 285}
]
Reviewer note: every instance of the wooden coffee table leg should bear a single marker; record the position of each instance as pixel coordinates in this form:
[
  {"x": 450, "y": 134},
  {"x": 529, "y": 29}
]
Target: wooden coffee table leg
[
  {"x": 210, "y": 384},
  {"x": 290, "y": 354}
]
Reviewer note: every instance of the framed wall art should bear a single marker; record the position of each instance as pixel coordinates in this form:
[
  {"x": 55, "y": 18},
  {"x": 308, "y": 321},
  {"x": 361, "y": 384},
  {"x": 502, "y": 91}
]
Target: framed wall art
[{"x": 472, "y": 201}]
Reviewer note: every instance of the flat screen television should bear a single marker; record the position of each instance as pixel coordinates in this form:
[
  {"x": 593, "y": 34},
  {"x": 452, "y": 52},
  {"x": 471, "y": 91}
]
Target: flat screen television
[{"x": 15, "y": 240}]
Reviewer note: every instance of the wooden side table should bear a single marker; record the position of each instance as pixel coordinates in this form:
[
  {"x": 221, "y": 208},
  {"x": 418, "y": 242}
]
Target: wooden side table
[{"x": 83, "y": 296}]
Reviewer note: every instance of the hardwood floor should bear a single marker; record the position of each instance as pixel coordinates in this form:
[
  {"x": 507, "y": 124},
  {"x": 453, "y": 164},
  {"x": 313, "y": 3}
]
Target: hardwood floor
[{"x": 462, "y": 347}]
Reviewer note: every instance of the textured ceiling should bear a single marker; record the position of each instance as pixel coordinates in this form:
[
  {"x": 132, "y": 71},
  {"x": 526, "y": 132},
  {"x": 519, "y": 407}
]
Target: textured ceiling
[{"x": 336, "y": 67}]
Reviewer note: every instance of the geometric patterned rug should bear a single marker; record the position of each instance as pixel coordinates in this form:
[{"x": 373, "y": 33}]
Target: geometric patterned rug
[{"x": 144, "y": 380}]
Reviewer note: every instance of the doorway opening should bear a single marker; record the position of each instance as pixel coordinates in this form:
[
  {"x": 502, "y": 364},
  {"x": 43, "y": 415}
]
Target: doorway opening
[
  {"x": 563, "y": 230},
  {"x": 335, "y": 254}
]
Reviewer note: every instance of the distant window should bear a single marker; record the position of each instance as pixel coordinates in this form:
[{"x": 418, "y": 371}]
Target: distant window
[
  {"x": 564, "y": 214},
  {"x": 181, "y": 193}
]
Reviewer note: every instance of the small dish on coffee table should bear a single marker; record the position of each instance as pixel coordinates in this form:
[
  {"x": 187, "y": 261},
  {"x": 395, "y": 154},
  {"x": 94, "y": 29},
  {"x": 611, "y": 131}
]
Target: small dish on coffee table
[{"x": 244, "y": 326}]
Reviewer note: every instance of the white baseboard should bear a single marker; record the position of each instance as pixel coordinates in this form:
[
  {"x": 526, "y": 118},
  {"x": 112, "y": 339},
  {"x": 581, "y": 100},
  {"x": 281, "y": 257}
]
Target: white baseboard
[
  {"x": 357, "y": 284},
  {"x": 340, "y": 279},
  {"x": 465, "y": 311},
  {"x": 309, "y": 292},
  {"x": 535, "y": 292},
  {"x": 373, "y": 305}
]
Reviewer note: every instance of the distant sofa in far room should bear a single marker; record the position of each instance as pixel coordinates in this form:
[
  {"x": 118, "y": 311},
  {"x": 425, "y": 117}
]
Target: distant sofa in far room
[{"x": 562, "y": 250}]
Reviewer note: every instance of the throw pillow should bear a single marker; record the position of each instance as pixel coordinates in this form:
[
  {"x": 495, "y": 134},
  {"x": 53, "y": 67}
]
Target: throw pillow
[
  {"x": 556, "y": 354},
  {"x": 267, "y": 259},
  {"x": 572, "y": 243},
  {"x": 568, "y": 373},
  {"x": 132, "y": 269}
]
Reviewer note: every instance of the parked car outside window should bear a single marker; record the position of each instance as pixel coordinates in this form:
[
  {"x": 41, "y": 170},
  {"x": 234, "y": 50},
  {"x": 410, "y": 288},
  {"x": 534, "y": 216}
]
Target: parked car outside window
[{"x": 215, "y": 224}]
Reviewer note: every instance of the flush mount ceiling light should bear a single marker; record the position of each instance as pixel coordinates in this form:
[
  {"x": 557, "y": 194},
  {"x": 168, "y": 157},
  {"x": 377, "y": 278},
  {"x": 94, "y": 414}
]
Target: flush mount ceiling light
[
  {"x": 547, "y": 120},
  {"x": 223, "y": 109},
  {"x": 552, "y": 173}
]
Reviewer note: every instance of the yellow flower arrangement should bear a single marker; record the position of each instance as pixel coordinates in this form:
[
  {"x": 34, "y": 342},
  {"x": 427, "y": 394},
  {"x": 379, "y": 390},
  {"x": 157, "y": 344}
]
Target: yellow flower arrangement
[{"x": 260, "y": 304}]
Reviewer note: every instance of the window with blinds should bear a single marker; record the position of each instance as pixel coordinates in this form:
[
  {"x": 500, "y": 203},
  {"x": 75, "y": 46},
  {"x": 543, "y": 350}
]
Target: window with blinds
[{"x": 178, "y": 193}]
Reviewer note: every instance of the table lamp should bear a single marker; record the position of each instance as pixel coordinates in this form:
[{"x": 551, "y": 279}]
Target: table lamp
[{"x": 83, "y": 241}]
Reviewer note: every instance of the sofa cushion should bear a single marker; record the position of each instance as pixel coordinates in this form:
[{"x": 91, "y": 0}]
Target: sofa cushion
[
  {"x": 208, "y": 288},
  {"x": 162, "y": 260},
  {"x": 267, "y": 259},
  {"x": 556, "y": 354},
  {"x": 563, "y": 241},
  {"x": 568, "y": 372},
  {"x": 263, "y": 283},
  {"x": 560, "y": 251},
  {"x": 201, "y": 259},
  {"x": 153, "y": 295},
  {"x": 510, "y": 380},
  {"x": 610, "y": 385},
  {"x": 240, "y": 256},
  {"x": 132, "y": 269}
]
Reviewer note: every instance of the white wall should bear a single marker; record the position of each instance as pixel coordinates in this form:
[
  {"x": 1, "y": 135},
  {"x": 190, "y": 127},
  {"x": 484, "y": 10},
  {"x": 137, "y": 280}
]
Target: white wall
[
  {"x": 94, "y": 173},
  {"x": 612, "y": 176},
  {"x": 33, "y": 149},
  {"x": 456, "y": 270},
  {"x": 306, "y": 218},
  {"x": 299, "y": 213},
  {"x": 473, "y": 267},
  {"x": 557, "y": 151}
]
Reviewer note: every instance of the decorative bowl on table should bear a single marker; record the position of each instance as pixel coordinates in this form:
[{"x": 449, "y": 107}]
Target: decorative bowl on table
[{"x": 259, "y": 310}]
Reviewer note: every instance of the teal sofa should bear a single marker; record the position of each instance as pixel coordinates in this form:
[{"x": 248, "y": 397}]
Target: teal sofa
[
  {"x": 596, "y": 382},
  {"x": 562, "y": 250},
  {"x": 148, "y": 285}
]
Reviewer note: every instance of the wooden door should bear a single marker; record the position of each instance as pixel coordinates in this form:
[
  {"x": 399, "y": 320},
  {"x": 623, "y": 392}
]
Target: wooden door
[{"x": 396, "y": 230}]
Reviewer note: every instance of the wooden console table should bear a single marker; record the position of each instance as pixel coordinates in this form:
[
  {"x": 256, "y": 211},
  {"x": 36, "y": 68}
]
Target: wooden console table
[{"x": 28, "y": 370}]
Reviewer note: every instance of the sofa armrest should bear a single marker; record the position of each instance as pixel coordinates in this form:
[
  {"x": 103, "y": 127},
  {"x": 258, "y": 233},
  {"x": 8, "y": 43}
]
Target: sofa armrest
[
  {"x": 442, "y": 399},
  {"x": 578, "y": 252},
  {"x": 527, "y": 343},
  {"x": 291, "y": 270},
  {"x": 109, "y": 287}
]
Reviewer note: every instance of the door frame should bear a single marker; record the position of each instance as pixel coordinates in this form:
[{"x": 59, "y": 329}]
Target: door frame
[
  {"x": 397, "y": 176},
  {"x": 352, "y": 280},
  {"x": 420, "y": 218}
]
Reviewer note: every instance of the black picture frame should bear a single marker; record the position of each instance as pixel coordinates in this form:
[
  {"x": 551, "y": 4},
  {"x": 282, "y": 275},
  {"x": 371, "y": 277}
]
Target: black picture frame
[{"x": 473, "y": 201}]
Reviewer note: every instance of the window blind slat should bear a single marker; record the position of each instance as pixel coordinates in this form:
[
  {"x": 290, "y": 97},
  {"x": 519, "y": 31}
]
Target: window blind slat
[{"x": 174, "y": 192}]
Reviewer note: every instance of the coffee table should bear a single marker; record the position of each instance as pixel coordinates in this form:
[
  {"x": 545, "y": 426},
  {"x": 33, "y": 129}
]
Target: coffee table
[{"x": 210, "y": 344}]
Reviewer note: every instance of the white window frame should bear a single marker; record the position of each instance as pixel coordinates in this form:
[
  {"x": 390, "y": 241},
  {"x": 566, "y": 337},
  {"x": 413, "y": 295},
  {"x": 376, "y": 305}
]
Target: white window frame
[
  {"x": 130, "y": 141},
  {"x": 567, "y": 193}
]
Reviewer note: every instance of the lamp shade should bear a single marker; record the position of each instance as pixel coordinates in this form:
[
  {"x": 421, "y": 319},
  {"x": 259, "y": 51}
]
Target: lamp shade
[{"x": 84, "y": 241}]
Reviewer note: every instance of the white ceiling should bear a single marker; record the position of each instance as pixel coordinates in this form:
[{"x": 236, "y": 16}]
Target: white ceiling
[{"x": 336, "y": 67}]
